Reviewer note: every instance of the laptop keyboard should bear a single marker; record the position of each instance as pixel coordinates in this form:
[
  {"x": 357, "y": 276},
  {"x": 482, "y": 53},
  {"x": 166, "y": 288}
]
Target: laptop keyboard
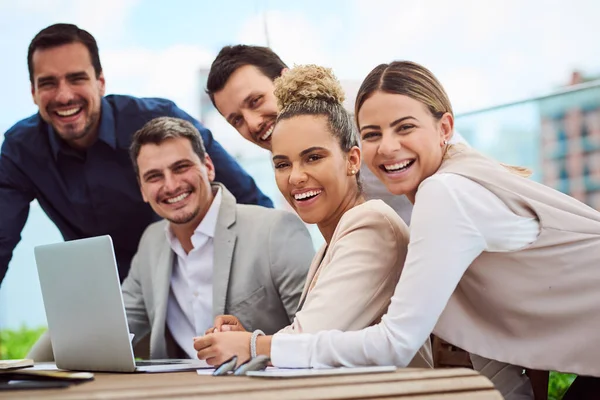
[{"x": 146, "y": 363}]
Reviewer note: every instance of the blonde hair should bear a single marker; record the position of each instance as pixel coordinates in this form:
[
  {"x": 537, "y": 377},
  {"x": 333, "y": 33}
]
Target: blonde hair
[
  {"x": 314, "y": 90},
  {"x": 417, "y": 82}
]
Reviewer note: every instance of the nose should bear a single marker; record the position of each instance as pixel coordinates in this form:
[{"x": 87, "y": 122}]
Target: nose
[
  {"x": 170, "y": 183},
  {"x": 254, "y": 121},
  {"x": 64, "y": 93},
  {"x": 297, "y": 175},
  {"x": 389, "y": 144}
]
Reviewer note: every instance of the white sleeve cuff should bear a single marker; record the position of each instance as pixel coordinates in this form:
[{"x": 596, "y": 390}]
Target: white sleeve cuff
[{"x": 291, "y": 350}]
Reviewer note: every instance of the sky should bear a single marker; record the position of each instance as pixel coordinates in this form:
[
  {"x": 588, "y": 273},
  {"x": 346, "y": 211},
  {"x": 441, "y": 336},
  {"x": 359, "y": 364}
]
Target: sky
[{"x": 485, "y": 52}]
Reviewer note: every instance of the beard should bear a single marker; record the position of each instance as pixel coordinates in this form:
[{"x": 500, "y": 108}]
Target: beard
[
  {"x": 184, "y": 218},
  {"x": 70, "y": 133}
]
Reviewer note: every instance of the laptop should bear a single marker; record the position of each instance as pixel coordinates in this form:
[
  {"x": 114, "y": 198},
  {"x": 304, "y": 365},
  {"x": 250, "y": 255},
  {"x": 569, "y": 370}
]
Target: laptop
[{"x": 85, "y": 312}]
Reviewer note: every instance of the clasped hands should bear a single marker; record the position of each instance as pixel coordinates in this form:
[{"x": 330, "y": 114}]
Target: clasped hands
[{"x": 227, "y": 338}]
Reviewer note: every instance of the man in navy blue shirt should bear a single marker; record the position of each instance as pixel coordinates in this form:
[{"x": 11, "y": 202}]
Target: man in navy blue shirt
[{"x": 72, "y": 156}]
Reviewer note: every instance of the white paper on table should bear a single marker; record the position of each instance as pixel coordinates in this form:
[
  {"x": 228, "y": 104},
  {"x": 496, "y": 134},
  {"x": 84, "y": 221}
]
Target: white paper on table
[
  {"x": 209, "y": 371},
  {"x": 273, "y": 372},
  {"x": 45, "y": 366},
  {"x": 205, "y": 371}
]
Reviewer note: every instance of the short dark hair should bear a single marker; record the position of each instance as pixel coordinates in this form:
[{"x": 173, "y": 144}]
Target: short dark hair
[
  {"x": 230, "y": 58},
  {"x": 61, "y": 34},
  {"x": 157, "y": 130}
]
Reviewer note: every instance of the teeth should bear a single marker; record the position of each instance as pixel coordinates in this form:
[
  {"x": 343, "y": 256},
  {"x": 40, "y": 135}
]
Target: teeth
[
  {"x": 304, "y": 195},
  {"x": 267, "y": 133},
  {"x": 397, "y": 166},
  {"x": 69, "y": 112},
  {"x": 178, "y": 198}
]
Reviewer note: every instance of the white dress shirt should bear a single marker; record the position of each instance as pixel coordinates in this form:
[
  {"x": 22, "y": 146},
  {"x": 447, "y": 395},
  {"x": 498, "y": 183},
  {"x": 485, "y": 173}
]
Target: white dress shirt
[
  {"x": 454, "y": 220},
  {"x": 190, "y": 308},
  {"x": 373, "y": 188}
]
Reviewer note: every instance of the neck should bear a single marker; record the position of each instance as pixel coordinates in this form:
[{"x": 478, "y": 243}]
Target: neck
[
  {"x": 327, "y": 227},
  {"x": 184, "y": 233}
]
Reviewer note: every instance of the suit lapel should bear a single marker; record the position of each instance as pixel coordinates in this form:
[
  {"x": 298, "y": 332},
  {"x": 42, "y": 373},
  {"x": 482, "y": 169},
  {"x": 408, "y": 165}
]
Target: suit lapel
[
  {"x": 314, "y": 267},
  {"x": 224, "y": 244},
  {"x": 162, "y": 287}
]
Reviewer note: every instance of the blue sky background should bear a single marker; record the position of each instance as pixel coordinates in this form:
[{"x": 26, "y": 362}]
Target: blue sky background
[{"x": 484, "y": 52}]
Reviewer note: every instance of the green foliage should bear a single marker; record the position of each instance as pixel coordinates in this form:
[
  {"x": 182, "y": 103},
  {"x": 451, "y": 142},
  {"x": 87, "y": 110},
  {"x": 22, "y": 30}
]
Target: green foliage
[
  {"x": 558, "y": 385},
  {"x": 15, "y": 344}
]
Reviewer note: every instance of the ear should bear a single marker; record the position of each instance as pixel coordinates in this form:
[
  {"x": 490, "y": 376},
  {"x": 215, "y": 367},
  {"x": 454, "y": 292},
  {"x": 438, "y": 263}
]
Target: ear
[
  {"x": 353, "y": 160},
  {"x": 447, "y": 128},
  {"x": 284, "y": 71},
  {"x": 142, "y": 191},
  {"x": 33, "y": 94},
  {"x": 210, "y": 168},
  {"x": 101, "y": 84}
]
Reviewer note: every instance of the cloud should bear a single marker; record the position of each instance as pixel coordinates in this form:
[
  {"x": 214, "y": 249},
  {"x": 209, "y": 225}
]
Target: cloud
[
  {"x": 295, "y": 38},
  {"x": 172, "y": 73},
  {"x": 106, "y": 20}
]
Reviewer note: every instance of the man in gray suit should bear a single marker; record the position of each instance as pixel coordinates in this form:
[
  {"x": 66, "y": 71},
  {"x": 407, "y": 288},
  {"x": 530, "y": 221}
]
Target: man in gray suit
[{"x": 209, "y": 256}]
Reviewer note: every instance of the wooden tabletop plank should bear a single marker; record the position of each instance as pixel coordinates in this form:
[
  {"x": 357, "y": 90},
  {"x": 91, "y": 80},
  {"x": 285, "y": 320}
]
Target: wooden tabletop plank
[
  {"x": 475, "y": 395},
  {"x": 377, "y": 390},
  {"x": 180, "y": 385},
  {"x": 184, "y": 383}
]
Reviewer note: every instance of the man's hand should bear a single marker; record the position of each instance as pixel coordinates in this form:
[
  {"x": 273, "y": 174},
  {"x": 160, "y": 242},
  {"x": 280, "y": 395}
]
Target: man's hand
[
  {"x": 217, "y": 348},
  {"x": 226, "y": 323}
]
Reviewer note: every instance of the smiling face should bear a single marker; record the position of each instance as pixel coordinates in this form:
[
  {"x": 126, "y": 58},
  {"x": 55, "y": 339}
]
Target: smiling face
[
  {"x": 402, "y": 142},
  {"x": 175, "y": 182},
  {"x": 247, "y": 102},
  {"x": 312, "y": 172},
  {"x": 67, "y": 92}
]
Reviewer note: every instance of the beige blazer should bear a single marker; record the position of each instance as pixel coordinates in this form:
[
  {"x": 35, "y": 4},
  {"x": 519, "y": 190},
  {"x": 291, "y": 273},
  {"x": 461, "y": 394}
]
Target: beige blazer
[
  {"x": 538, "y": 307},
  {"x": 351, "y": 281}
]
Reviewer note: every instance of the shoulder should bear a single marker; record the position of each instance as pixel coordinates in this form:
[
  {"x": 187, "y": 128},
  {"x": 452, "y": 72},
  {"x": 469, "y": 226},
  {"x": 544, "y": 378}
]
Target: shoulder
[
  {"x": 447, "y": 188},
  {"x": 263, "y": 216},
  {"x": 130, "y": 105},
  {"x": 25, "y": 132},
  {"x": 154, "y": 235},
  {"x": 375, "y": 215}
]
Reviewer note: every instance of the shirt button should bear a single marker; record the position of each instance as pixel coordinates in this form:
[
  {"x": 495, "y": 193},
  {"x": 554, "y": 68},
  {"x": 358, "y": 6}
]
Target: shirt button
[{"x": 195, "y": 293}]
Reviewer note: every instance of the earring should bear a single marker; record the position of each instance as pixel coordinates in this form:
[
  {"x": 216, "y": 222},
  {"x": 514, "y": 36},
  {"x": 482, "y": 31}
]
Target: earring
[
  {"x": 353, "y": 172},
  {"x": 445, "y": 142}
]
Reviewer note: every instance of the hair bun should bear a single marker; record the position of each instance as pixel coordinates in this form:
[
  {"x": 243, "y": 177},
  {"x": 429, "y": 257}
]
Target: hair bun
[{"x": 307, "y": 82}]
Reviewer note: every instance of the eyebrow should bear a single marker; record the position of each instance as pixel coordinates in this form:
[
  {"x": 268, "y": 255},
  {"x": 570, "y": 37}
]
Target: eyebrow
[
  {"x": 302, "y": 153},
  {"x": 174, "y": 165},
  {"x": 72, "y": 75},
  {"x": 396, "y": 122},
  {"x": 245, "y": 101},
  {"x": 45, "y": 79},
  {"x": 150, "y": 172},
  {"x": 80, "y": 74}
]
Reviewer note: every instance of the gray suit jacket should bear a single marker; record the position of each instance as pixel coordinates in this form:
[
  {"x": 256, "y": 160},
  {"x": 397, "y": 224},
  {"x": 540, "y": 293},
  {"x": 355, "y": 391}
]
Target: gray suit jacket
[
  {"x": 260, "y": 264},
  {"x": 261, "y": 261}
]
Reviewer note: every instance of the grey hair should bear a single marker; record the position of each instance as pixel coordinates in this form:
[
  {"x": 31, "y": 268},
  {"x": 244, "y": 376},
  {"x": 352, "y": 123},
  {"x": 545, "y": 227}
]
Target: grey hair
[{"x": 157, "y": 130}]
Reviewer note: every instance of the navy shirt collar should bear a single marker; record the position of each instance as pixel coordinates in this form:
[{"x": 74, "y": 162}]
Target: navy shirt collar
[{"x": 106, "y": 131}]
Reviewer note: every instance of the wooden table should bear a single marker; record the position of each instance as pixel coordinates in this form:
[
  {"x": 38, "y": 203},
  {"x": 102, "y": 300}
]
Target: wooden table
[{"x": 442, "y": 384}]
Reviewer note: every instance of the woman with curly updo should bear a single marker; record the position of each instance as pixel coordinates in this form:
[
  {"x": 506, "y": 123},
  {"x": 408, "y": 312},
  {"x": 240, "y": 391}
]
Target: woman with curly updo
[{"x": 317, "y": 159}]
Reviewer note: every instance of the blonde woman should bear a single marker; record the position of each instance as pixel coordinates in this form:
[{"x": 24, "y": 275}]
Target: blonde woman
[
  {"x": 499, "y": 265},
  {"x": 316, "y": 159}
]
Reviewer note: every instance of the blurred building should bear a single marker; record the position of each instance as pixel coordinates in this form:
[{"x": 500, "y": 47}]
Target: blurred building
[{"x": 556, "y": 135}]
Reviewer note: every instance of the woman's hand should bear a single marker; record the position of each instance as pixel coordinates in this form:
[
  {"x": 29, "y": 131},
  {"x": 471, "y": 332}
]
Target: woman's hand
[
  {"x": 219, "y": 347},
  {"x": 226, "y": 323}
]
